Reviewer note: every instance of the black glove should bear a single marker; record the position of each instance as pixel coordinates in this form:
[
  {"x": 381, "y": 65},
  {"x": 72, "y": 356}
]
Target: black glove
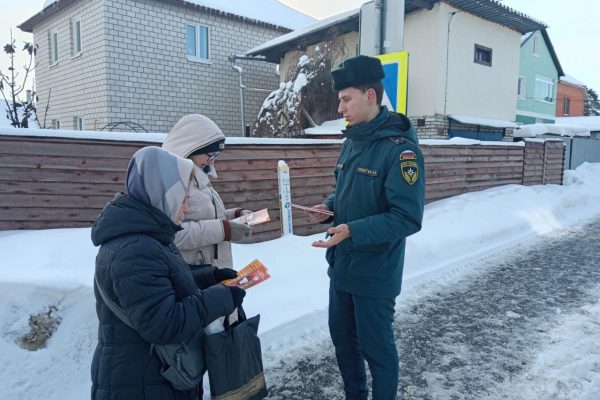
[
  {"x": 237, "y": 294},
  {"x": 222, "y": 274}
]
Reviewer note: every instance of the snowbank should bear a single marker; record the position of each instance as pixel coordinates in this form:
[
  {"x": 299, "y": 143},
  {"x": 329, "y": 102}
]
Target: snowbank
[{"x": 55, "y": 267}]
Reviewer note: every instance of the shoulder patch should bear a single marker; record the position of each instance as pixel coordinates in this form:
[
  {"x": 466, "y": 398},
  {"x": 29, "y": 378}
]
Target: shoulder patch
[{"x": 409, "y": 166}]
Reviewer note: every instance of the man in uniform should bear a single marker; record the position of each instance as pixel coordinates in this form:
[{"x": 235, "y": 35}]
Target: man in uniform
[{"x": 378, "y": 201}]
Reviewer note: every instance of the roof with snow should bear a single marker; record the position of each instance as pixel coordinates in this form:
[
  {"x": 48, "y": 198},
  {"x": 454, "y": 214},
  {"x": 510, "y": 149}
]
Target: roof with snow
[
  {"x": 268, "y": 13},
  {"x": 572, "y": 81},
  {"x": 592, "y": 123},
  {"x": 534, "y": 130},
  {"x": 550, "y": 47},
  {"x": 273, "y": 49},
  {"x": 490, "y": 10}
]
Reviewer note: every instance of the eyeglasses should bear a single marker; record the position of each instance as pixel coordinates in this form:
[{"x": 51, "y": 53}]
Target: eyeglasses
[{"x": 213, "y": 156}]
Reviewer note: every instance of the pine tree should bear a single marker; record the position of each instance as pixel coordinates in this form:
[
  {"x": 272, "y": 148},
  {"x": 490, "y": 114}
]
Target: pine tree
[{"x": 592, "y": 104}]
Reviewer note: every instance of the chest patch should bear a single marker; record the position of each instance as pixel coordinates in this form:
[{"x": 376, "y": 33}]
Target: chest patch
[
  {"x": 367, "y": 171},
  {"x": 409, "y": 166}
]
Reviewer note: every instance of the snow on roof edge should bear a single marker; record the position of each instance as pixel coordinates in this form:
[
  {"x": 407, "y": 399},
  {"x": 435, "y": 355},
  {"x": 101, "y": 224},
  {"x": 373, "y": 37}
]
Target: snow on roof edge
[
  {"x": 320, "y": 24},
  {"x": 540, "y": 129},
  {"x": 285, "y": 17},
  {"x": 572, "y": 81}
]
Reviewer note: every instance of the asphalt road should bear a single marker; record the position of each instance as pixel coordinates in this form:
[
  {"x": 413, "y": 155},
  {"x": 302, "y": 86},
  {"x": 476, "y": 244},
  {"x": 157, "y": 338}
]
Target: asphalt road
[{"x": 467, "y": 339}]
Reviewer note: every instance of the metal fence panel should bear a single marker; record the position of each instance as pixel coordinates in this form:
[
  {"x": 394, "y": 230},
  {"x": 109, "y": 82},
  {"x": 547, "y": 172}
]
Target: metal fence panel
[{"x": 584, "y": 150}]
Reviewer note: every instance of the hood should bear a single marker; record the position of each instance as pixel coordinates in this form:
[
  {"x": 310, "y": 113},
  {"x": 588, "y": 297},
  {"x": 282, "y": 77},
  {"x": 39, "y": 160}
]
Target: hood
[
  {"x": 125, "y": 215},
  {"x": 159, "y": 179},
  {"x": 190, "y": 133},
  {"x": 397, "y": 125},
  {"x": 386, "y": 124}
]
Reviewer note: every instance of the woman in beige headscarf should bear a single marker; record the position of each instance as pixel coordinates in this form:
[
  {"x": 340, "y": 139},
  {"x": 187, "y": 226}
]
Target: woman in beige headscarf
[{"x": 207, "y": 228}]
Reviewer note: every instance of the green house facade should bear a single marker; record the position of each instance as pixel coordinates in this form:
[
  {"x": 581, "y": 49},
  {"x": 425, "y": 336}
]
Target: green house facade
[{"x": 539, "y": 72}]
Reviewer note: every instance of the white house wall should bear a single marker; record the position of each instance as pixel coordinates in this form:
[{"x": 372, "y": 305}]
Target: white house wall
[
  {"x": 422, "y": 39},
  {"x": 472, "y": 89}
]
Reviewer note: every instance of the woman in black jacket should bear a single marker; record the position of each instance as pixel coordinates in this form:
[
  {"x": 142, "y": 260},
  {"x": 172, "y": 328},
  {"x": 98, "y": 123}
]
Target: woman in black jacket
[{"x": 140, "y": 269}]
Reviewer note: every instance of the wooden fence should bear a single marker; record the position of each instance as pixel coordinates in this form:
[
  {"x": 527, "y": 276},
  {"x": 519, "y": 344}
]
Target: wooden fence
[{"x": 52, "y": 182}]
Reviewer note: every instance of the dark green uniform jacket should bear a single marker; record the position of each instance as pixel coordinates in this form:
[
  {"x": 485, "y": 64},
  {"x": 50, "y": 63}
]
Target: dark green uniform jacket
[{"x": 380, "y": 194}]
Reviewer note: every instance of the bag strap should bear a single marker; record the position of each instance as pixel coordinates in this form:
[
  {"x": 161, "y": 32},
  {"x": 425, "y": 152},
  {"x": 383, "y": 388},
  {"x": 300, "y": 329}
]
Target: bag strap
[
  {"x": 112, "y": 306},
  {"x": 241, "y": 318}
]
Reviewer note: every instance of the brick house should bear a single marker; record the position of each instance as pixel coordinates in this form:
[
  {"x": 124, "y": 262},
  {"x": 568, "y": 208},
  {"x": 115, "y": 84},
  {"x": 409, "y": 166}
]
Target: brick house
[
  {"x": 571, "y": 95},
  {"x": 148, "y": 62},
  {"x": 462, "y": 67}
]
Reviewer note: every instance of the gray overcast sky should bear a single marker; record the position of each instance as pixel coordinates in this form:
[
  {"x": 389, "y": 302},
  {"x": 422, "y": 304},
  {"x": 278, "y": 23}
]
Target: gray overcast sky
[{"x": 574, "y": 27}]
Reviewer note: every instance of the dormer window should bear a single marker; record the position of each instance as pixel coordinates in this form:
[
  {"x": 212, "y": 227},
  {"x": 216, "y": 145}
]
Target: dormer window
[{"x": 536, "y": 45}]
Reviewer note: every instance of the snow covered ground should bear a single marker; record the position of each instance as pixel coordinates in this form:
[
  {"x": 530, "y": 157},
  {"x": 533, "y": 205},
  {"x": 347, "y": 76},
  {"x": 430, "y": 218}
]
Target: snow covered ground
[{"x": 42, "y": 268}]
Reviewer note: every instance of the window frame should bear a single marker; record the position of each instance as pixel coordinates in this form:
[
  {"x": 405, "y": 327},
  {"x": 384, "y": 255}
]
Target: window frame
[
  {"x": 479, "y": 48},
  {"x": 55, "y": 124},
  {"x": 54, "y": 53},
  {"x": 566, "y": 106},
  {"x": 536, "y": 45},
  {"x": 198, "y": 42},
  {"x": 550, "y": 91},
  {"x": 521, "y": 87},
  {"x": 76, "y": 39},
  {"x": 77, "y": 123}
]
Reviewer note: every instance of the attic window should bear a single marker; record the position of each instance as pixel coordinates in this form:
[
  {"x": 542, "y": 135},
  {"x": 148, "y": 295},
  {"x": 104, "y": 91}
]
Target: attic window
[
  {"x": 536, "y": 45},
  {"x": 483, "y": 55}
]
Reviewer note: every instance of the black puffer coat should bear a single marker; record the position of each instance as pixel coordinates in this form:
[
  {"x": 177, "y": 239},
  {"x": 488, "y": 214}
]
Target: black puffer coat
[{"x": 140, "y": 269}]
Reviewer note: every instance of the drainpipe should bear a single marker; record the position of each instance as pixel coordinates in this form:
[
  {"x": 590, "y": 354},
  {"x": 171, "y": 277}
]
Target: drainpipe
[
  {"x": 232, "y": 59},
  {"x": 452, "y": 14}
]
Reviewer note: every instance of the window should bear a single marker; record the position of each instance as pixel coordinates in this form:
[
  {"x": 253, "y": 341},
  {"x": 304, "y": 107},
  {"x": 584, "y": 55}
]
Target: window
[
  {"x": 521, "y": 87},
  {"x": 78, "y": 123},
  {"x": 536, "y": 45},
  {"x": 53, "y": 47},
  {"x": 197, "y": 42},
  {"x": 544, "y": 89},
  {"x": 483, "y": 55},
  {"x": 76, "y": 37},
  {"x": 55, "y": 124},
  {"x": 566, "y": 105}
]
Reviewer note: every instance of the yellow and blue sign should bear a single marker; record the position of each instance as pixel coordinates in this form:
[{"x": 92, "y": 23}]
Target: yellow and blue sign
[{"x": 395, "y": 83}]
